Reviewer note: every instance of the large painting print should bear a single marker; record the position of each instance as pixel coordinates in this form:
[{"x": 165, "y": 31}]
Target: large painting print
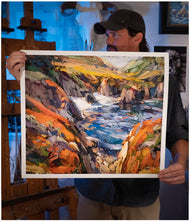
[{"x": 93, "y": 114}]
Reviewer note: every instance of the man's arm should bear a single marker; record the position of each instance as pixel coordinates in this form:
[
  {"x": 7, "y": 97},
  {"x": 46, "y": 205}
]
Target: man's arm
[
  {"x": 175, "y": 173},
  {"x": 176, "y": 137}
]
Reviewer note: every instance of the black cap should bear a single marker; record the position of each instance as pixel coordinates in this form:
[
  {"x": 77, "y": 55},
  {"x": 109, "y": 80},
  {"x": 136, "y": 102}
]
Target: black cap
[{"x": 121, "y": 19}]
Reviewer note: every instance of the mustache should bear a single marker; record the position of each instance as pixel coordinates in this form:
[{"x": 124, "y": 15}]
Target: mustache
[{"x": 111, "y": 48}]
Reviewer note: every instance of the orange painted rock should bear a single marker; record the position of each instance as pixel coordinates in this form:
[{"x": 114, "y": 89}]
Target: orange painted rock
[{"x": 69, "y": 158}]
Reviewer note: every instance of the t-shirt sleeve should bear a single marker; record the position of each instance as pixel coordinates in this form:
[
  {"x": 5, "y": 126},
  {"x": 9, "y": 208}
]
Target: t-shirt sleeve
[{"x": 177, "y": 123}]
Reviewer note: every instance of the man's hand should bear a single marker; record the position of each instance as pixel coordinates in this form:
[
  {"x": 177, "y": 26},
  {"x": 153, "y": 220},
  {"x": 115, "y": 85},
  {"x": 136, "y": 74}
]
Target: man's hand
[
  {"x": 174, "y": 174},
  {"x": 15, "y": 62}
]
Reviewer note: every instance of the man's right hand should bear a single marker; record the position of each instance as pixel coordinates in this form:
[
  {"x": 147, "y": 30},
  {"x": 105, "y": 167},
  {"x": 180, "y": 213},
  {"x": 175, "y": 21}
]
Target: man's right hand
[{"x": 15, "y": 62}]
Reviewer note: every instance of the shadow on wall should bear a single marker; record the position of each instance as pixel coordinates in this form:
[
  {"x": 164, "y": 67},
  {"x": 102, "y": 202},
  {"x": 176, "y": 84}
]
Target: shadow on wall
[{"x": 174, "y": 198}]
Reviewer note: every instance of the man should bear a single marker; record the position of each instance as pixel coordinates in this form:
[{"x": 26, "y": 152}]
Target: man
[
  {"x": 134, "y": 198},
  {"x": 129, "y": 198}
]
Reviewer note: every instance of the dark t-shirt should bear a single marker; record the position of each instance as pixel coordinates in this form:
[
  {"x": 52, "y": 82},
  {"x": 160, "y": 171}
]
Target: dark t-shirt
[{"x": 135, "y": 192}]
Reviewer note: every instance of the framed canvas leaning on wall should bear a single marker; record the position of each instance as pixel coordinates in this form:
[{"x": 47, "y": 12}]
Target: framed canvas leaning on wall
[
  {"x": 177, "y": 63},
  {"x": 93, "y": 114}
]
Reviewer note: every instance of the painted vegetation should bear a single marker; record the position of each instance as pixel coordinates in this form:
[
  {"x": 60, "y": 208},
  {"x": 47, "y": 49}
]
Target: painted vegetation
[{"x": 84, "y": 115}]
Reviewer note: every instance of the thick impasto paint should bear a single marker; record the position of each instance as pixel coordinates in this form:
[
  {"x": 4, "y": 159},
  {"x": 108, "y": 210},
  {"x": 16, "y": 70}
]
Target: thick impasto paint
[{"x": 94, "y": 114}]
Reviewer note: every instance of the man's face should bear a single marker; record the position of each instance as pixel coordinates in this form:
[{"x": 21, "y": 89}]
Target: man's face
[{"x": 120, "y": 41}]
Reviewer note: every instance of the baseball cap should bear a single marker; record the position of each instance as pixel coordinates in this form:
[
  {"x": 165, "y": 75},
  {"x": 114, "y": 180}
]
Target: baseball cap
[{"x": 120, "y": 19}]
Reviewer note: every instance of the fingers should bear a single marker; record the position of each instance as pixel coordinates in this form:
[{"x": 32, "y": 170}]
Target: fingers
[
  {"x": 16, "y": 72},
  {"x": 174, "y": 180},
  {"x": 174, "y": 174},
  {"x": 15, "y": 62},
  {"x": 174, "y": 169},
  {"x": 16, "y": 57}
]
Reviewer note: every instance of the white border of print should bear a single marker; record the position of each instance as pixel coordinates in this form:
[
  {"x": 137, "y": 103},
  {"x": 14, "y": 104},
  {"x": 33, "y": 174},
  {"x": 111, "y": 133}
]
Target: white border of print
[{"x": 84, "y": 53}]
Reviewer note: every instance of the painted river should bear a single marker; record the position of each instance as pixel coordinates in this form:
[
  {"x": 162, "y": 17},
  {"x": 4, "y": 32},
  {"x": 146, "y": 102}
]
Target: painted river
[{"x": 107, "y": 122}]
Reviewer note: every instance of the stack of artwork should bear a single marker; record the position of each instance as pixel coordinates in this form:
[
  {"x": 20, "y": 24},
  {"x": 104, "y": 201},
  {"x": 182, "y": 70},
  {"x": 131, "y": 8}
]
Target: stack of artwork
[{"x": 93, "y": 114}]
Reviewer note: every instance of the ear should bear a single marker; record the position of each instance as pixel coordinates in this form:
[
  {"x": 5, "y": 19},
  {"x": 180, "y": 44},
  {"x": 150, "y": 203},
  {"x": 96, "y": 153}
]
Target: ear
[{"x": 138, "y": 37}]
